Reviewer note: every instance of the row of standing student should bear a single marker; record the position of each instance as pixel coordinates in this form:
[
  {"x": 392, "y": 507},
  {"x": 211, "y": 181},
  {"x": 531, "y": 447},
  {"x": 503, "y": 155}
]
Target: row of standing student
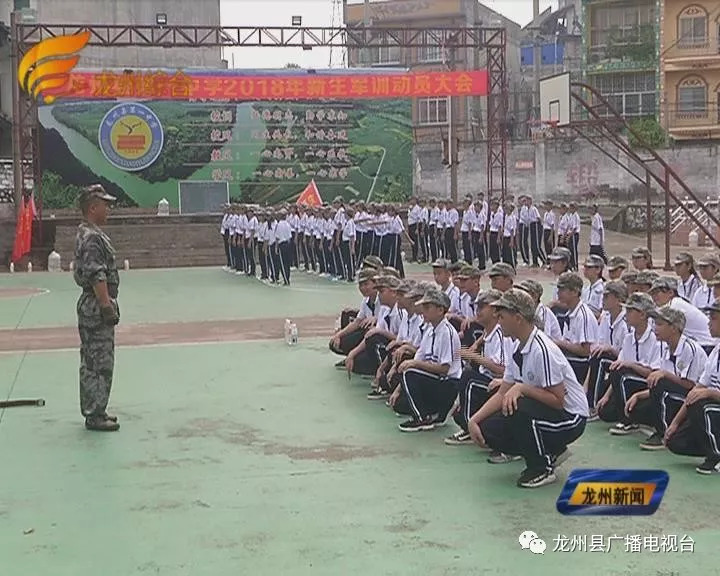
[{"x": 636, "y": 364}]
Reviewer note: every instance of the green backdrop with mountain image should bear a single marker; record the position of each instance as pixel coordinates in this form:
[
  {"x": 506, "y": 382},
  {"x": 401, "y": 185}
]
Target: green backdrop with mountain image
[{"x": 268, "y": 151}]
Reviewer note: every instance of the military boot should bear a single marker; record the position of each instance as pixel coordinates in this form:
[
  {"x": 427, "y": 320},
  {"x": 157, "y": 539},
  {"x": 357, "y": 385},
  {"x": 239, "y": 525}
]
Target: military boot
[{"x": 101, "y": 424}]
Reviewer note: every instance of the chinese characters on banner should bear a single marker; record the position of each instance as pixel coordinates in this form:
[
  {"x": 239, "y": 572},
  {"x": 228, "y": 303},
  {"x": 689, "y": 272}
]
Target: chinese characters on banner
[
  {"x": 299, "y": 143},
  {"x": 161, "y": 85}
]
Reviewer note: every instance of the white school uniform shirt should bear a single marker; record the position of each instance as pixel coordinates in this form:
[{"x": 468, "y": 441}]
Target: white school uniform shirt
[
  {"x": 242, "y": 224},
  {"x": 360, "y": 226},
  {"x": 293, "y": 220},
  {"x": 703, "y": 296},
  {"x": 524, "y": 216},
  {"x": 368, "y": 310},
  {"x": 644, "y": 351},
  {"x": 234, "y": 224},
  {"x": 688, "y": 288},
  {"x": 479, "y": 221},
  {"x": 381, "y": 228},
  {"x": 390, "y": 319},
  {"x": 348, "y": 231},
  {"x": 261, "y": 231},
  {"x": 549, "y": 220},
  {"x": 434, "y": 216},
  {"x": 710, "y": 378},
  {"x": 597, "y": 231},
  {"x": 410, "y": 329},
  {"x": 592, "y": 295},
  {"x": 612, "y": 333},
  {"x": 443, "y": 219},
  {"x": 696, "y": 323},
  {"x": 496, "y": 220},
  {"x": 686, "y": 361},
  {"x": 544, "y": 365},
  {"x": 329, "y": 228},
  {"x": 549, "y": 321},
  {"x": 224, "y": 223},
  {"x": 339, "y": 219},
  {"x": 575, "y": 222},
  {"x": 533, "y": 214},
  {"x": 272, "y": 234},
  {"x": 396, "y": 226},
  {"x": 510, "y": 226},
  {"x": 441, "y": 345},
  {"x": 424, "y": 215},
  {"x": 497, "y": 349},
  {"x": 283, "y": 231},
  {"x": 468, "y": 219},
  {"x": 564, "y": 225},
  {"x": 453, "y": 292},
  {"x": 414, "y": 215},
  {"x": 467, "y": 305},
  {"x": 251, "y": 228},
  {"x": 582, "y": 326}
]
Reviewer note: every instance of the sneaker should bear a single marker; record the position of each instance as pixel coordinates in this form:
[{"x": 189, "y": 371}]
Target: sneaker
[
  {"x": 623, "y": 429},
  {"x": 593, "y": 416},
  {"x": 460, "y": 438},
  {"x": 536, "y": 478},
  {"x": 710, "y": 466},
  {"x": 101, "y": 424},
  {"x": 417, "y": 425},
  {"x": 110, "y": 417},
  {"x": 557, "y": 459},
  {"x": 502, "y": 458},
  {"x": 653, "y": 442},
  {"x": 340, "y": 364},
  {"x": 378, "y": 395},
  {"x": 440, "y": 421}
]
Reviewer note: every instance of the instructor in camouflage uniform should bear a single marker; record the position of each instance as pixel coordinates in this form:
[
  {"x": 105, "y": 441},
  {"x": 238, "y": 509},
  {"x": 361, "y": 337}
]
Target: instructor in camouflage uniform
[{"x": 97, "y": 309}]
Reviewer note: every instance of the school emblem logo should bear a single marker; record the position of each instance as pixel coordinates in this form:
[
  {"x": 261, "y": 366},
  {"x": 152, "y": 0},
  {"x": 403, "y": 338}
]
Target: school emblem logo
[
  {"x": 131, "y": 136},
  {"x": 531, "y": 376}
]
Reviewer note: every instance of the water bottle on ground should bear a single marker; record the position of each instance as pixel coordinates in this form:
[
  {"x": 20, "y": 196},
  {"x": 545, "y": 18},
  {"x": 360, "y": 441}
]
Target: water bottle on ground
[
  {"x": 288, "y": 328},
  {"x": 293, "y": 334},
  {"x": 338, "y": 324}
]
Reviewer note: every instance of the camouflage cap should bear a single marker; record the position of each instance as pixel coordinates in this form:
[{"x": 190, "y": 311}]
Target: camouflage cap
[
  {"x": 669, "y": 316},
  {"x": 665, "y": 284},
  {"x": 487, "y": 297},
  {"x": 389, "y": 282},
  {"x": 468, "y": 272},
  {"x": 570, "y": 281},
  {"x": 532, "y": 287},
  {"x": 641, "y": 302},
  {"x": 441, "y": 263},
  {"x": 436, "y": 298},
  {"x": 617, "y": 262},
  {"x": 709, "y": 260},
  {"x": 617, "y": 289},
  {"x": 94, "y": 191},
  {"x": 594, "y": 261},
  {"x": 416, "y": 292},
  {"x": 629, "y": 277},
  {"x": 389, "y": 271},
  {"x": 501, "y": 269},
  {"x": 372, "y": 262},
  {"x": 405, "y": 286},
  {"x": 560, "y": 253},
  {"x": 683, "y": 258},
  {"x": 714, "y": 281},
  {"x": 640, "y": 252},
  {"x": 366, "y": 275},
  {"x": 646, "y": 277},
  {"x": 519, "y": 302}
]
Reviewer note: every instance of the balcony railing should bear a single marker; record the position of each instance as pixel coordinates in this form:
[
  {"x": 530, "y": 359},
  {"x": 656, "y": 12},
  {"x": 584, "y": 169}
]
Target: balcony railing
[
  {"x": 698, "y": 116},
  {"x": 687, "y": 48}
]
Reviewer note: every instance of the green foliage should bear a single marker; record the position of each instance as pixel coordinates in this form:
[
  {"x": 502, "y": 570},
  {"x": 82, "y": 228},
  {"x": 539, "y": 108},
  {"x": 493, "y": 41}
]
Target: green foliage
[
  {"x": 636, "y": 46},
  {"x": 56, "y": 194},
  {"x": 649, "y": 130},
  {"x": 396, "y": 188}
]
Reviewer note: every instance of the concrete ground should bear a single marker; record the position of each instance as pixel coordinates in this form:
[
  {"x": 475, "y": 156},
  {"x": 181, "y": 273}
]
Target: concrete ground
[{"x": 240, "y": 455}]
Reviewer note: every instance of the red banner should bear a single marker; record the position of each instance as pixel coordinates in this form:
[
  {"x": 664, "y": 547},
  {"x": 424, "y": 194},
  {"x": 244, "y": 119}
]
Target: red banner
[
  {"x": 310, "y": 196},
  {"x": 160, "y": 85},
  {"x": 23, "y": 231}
]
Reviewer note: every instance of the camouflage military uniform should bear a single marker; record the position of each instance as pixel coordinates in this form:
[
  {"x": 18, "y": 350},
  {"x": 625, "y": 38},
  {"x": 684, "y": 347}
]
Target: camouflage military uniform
[{"x": 95, "y": 262}]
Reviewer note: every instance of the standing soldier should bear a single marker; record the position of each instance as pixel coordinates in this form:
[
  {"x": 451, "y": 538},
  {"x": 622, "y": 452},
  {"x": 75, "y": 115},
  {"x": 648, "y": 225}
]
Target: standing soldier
[{"x": 97, "y": 309}]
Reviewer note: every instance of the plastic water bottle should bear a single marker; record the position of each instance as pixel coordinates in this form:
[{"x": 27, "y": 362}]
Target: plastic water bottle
[
  {"x": 29, "y": 268},
  {"x": 338, "y": 323},
  {"x": 12, "y": 267},
  {"x": 288, "y": 330},
  {"x": 293, "y": 334}
]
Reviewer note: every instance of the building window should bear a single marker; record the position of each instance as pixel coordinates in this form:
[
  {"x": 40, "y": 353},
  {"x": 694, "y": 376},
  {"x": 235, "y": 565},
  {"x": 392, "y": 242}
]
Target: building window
[
  {"x": 629, "y": 94},
  {"x": 20, "y": 4},
  {"x": 384, "y": 54},
  {"x": 692, "y": 27},
  {"x": 432, "y": 111},
  {"x": 692, "y": 97},
  {"x": 434, "y": 53}
]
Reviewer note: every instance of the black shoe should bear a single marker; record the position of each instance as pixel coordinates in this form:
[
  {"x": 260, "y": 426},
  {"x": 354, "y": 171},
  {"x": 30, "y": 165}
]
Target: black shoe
[
  {"x": 653, "y": 442},
  {"x": 536, "y": 478},
  {"x": 417, "y": 425},
  {"x": 101, "y": 424},
  {"x": 710, "y": 466},
  {"x": 378, "y": 395}
]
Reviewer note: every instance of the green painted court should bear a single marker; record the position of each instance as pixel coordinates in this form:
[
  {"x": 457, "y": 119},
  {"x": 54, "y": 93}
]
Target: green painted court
[{"x": 250, "y": 457}]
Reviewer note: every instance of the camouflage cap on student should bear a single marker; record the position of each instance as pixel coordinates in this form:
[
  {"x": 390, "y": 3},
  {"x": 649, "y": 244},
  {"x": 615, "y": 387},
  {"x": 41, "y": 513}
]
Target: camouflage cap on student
[
  {"x": 617, "y": 289},
  {"x": 617, "y": 262},
  {"x": 664, "y": 284},
  {"x": 435, "y": 298},
  {"x": 501, "y": 269},
  {"x": 670, "y": 316},
  {"x": 570, "y": 281},
  {"x": 518, "y": 302},
  {"x": 641, "y": 302},
  {"x": 532, "y": 287},
  {"x": 486, "y": 297}
]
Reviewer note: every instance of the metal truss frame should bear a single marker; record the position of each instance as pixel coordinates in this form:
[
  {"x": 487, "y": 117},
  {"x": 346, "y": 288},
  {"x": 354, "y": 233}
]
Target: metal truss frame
[{"x": 26, "y": 149}]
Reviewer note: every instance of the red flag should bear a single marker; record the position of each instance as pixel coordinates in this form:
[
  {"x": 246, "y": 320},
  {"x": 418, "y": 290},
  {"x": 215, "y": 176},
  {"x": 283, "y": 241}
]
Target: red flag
[
  {"x": 310, "y": 196},
  {"x": 23, "y": 231}
]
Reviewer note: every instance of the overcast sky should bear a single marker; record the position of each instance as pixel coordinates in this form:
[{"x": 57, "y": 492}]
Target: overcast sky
[{"x": 317, "y": 13}]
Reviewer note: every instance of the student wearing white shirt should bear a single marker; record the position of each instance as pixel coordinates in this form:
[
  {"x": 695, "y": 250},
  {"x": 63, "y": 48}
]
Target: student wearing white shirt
[
  {"x": 293, "y": 219},
  {"x": 641, "y": 259},
  {"x": 328, "y": 231},
  {"x": 639, "y": 356},
  {"x": 664, "y": 292},
  {"x": 466, "y": 226},
  {"x": 366, "y": 358},
  {"x": 695, "y": 430},
  {"x": 708, "y": 266},
  {"x": 261, "y": 234},
  {"x": 549, "y": 227},
  {"x": 347, "y": 245},
  {"x": 535, "y": 233},
  {"x": 597, "y": 234},
  {"x": 485, "y": 361},
  {"x": 616, "y": 267},
  {"x": 238, "y": 234},
  {"x": 592, "y": 294},
  {"x": 540, "y": 407},
  {"x": 523, "y": 229},
  {"x": 441, "y": 274},
  {"x": 433, "y": 218},
  {"x": 683, "y": 361},
  {"x": 611, "y": 335},
  {"x": 381, "y": 225},
  {"x": 544, "y": 317},
  {"x": 563, "y": 226},
  {"x": 468, "y": 281},
  {"x": 339, "y": 218},
  {"x": 271, "y": 246},
  {"x": 509, "y": 232},
  {"x": 430, "y": 379},
  {"x": 423, "y": 232},
  {"x": 414, "y": 218},
  {"x": 452, "y": 224},
  {"x": 353, "y": 333},
  {"x": 477, "y": 234},
  {"x": 396, "y": 231},
  {"x": 574, "y": 234},
  {"x": 579, "y": 332},
  {"x": 249, "y": 242},
  {"x": 689, "y": 280},
  {"x": 497, "y": 219},
  {"x": 283, "y": 237},
  {"x": 225, "y": 233}
]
